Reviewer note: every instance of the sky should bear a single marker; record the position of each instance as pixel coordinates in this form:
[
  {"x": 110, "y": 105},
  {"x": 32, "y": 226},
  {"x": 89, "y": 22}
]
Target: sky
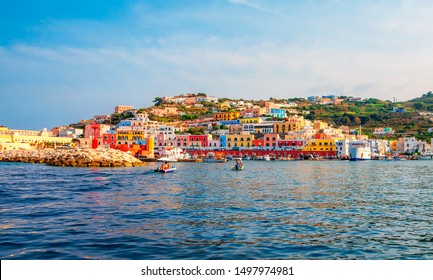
[{"x": 64, "y": 61}]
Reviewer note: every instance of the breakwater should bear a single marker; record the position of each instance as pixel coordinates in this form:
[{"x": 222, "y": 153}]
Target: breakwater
[{"x": 73, "y": 157}]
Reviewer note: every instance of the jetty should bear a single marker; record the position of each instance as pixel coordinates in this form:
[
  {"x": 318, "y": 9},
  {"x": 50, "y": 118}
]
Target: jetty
[{"x": 78, "y": 157}]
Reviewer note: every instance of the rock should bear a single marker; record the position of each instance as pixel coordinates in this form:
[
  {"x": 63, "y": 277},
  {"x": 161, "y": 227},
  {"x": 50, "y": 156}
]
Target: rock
[{"x": 73, "y": 157}]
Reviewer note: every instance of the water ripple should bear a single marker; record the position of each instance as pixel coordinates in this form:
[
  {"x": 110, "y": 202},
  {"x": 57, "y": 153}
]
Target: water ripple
[{"x": 277, "y": 210}]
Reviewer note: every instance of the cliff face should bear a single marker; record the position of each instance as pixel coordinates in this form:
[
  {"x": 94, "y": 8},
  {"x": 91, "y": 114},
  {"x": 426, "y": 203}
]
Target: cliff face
[{"x": 73, "y": 157}]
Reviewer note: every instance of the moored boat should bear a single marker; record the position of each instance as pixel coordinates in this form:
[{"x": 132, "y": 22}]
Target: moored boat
[
  {"x": 360, "y": 150},
  {"x": 211, "y": 157},
  {"x": 168, "y": 159}
]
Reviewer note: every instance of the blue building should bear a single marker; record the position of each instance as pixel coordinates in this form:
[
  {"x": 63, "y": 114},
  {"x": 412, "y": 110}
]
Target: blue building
[
  {"x": 232, "y": 122},
  {"x": 278, "y": 113},
  {"x": 223, "y": 140}
]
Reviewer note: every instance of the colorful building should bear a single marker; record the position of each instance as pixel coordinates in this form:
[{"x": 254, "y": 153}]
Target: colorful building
[
  {"x": 258, "y": 143},
  {"x": 89, "y": 131},
  {"x": 199, "y": 140},
  {"x": 278, "y": 113},
  {"x": 240, "y": 140},
  {"x": 122, "y": 108},
  {"x": 320, "y": 145},
  {"x": 271, "y": 139},
  {"x": 109, "y": 138},
  {"x": 287, "y": 126},
  {"x": 165, "y": 111},
  {"x": 226, "y": 116},
  {"x": 182, "y": 140},
  {"x": 250, "y": 120},
  {"x": 294, "y": 144},
  {"x": 130, "y": 136}
]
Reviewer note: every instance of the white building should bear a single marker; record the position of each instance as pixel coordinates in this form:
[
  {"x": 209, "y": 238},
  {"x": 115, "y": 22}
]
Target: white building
[
  {"x": 342, "y": 148},
  {"x": 380, "y": 146},
  {"x": 71, "y": 132},
  {"x": 407, "y": 145},
  {"x": 214, "y": 143}
]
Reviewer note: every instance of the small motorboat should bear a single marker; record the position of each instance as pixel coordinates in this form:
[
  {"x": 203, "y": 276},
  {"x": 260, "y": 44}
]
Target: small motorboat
[
  {"x": 169, "y": 170},
  {"x": 239, "y": 165}
]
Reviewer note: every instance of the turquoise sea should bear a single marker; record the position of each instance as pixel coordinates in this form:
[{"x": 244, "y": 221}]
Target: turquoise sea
[{"x": 271, "y": 210}]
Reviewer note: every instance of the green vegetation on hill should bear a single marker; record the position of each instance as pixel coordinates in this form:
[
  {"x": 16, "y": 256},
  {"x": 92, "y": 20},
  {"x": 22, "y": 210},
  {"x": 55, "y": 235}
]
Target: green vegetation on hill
[{"x": 373, "y": 113}]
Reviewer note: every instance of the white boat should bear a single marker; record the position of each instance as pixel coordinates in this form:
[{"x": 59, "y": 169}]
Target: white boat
[
  {"x": 170, "y": 170},
  {"x": 428, "y": 156},
  {"x": 359, "y": 150},
  {"x": 267, "y": 158},
  {"x": 168, "y": 159},
  {"x": 213, "y": 159},
  {"x": 239, "y": 166}
]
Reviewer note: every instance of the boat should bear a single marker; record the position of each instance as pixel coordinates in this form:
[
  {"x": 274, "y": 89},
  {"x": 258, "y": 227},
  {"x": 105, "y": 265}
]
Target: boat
[
  {"x": 168, "y": 159},
  {"x": 239, "y": 166},
  {"x": 359, "y": 150},
  {"x": 427, "y": 156},
  {"x": 170, "y": 170},
  {"x": 267, "y": 158},
  {"x": 211, "y": 157}
]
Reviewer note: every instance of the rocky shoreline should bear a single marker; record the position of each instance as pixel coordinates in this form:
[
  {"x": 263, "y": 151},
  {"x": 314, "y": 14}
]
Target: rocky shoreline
[{"x": 73, "y": 157}]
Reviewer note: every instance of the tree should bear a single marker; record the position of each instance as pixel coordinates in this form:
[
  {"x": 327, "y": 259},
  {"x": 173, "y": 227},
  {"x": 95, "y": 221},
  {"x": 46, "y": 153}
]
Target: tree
[
  {"x": 356, "y": 121},
  {"x": 418, "y": 106},
  {"x": 157, "y": 101}
]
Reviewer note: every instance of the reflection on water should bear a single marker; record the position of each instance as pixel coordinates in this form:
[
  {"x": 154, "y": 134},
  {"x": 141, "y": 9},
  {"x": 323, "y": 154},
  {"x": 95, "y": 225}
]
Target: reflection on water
[{"x": 271, "y": 210}]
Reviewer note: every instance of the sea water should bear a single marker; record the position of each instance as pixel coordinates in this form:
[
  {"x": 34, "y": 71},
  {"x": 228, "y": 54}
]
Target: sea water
[{"x": 270, "y": 210}]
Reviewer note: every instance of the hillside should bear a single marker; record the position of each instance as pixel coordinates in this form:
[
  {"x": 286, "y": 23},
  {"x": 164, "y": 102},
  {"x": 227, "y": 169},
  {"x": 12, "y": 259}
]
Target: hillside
[{"x": 373, "y": 113}]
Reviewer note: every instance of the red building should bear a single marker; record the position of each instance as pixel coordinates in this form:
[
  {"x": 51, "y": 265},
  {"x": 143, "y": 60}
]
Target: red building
[
  {"x": 99, "y": 128},
  {"x": 258, "y": 143},
  {"x": 295, "y": 144},
  {"x": 198, "y": 140},
  {"x": 109, "y": 139}
]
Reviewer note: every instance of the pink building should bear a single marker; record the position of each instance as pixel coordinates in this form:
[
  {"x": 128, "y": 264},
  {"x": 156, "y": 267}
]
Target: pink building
[
  {"x": 253, "y": 112},
  {"x": 165, "y": 140},
  {"x": 101, "y": 118},
  {"x": 122, "y": 108},
  {"x": 182, "y": 140},
  {"x": 271, "y": 139},
  {"x": 166, "y": 111},
  {"x": 101, "y": 129}
]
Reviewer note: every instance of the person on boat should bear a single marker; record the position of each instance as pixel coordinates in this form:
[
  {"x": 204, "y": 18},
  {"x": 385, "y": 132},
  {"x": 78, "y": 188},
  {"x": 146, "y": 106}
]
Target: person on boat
[
  {"x": 238, "y": 164},
  {"x": 165, "y": 166}
]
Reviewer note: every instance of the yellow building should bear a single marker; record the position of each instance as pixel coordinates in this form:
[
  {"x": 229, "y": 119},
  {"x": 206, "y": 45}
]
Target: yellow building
[
  {"x": 318, "y": 125},
  {"x": 226, "y": 116},
  {"x": 284, "y": 127},
  {"x": 131, "y": 136},
  {"x": 223, "y": 106},
  {"x": 393, "y": 145},
  {"x": 5, "y": 138},
  {"x": 320, "y": 145},
  {"x": 239, "y": 140},
  {"x": 251, "y": 120}
]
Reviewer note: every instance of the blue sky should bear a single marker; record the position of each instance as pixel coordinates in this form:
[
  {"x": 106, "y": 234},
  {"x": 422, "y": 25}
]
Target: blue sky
[{"x": 63, "y": 61}]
